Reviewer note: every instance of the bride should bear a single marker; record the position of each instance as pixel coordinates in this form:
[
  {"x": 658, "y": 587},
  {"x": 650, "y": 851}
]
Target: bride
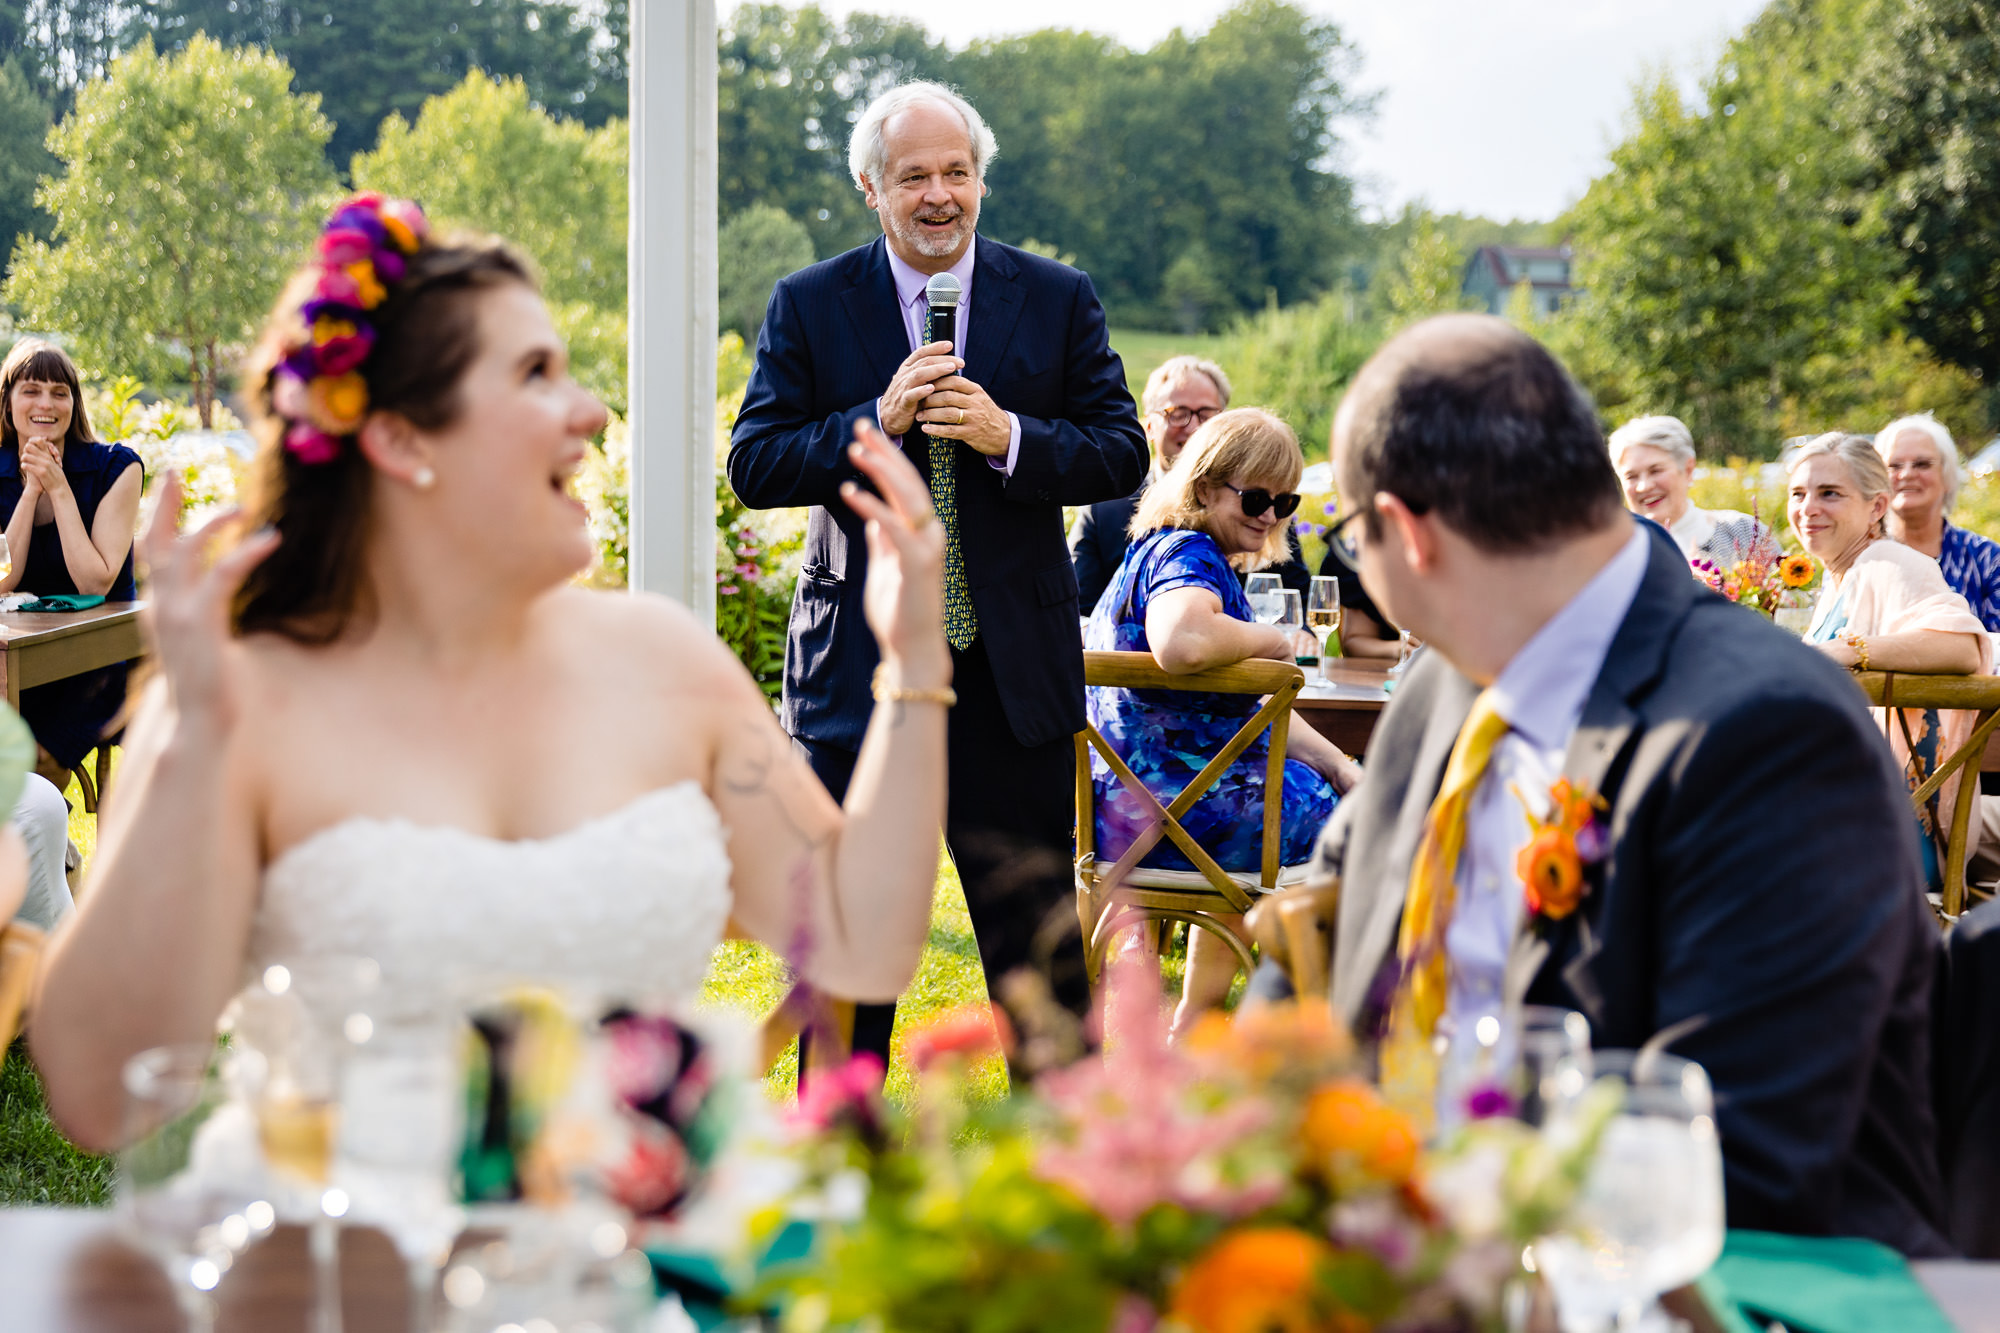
[{"x": 385, "y": 722}]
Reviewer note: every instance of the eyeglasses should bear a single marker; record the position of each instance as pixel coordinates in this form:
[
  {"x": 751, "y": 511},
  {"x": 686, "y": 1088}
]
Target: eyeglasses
[
  {"x": 1182, "y": 417},
  {"x": 1256, "y": 500},
  {"x": 1341, "y": 540}
]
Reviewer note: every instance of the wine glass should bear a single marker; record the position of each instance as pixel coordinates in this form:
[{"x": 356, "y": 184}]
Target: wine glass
[
  {"x": 1263, "y": 590},
  {"x": 1650, "y": 1214},
  {"x": 302, "y": 1016},
  {"x": 1406, "y": 644},
  {"x": 1323, "y": 616},
  {"x": 400, "y": 1113},
  {"x": 187, "y": 1178},
  {"x": 1531, "y": 1062},
  {"x": 6, "y": 558},
  {"x": 1291, "y": 616}
]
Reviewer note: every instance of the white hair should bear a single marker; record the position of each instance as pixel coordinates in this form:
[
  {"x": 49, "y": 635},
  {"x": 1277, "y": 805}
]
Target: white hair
[
  {"x": 1924, "y": 423},
  {"x": 1665, "y": 433},
  {"x": 1176, "y": 368},
  {"x": 868, "y": 152}
]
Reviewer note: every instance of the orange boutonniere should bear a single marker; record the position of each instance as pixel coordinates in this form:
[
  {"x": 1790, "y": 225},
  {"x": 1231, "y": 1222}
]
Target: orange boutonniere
[{"x": 1551, "y": 865}]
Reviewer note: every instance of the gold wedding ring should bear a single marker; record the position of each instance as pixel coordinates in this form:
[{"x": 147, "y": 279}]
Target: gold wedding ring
[
  {"x": 921, "y": 521},
  {"x": 961, "y": 418}
]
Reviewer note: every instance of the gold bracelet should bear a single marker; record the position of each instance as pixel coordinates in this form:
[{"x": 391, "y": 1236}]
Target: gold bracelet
[
  {"x": 1860, "y": 647},
  {"x": 885, "y": 693}
]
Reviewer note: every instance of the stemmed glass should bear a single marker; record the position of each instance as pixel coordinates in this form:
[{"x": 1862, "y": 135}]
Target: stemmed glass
[
  {"x": 1531, "y": 1062},
  {"x": 1263, "y": 590},
  {"x": 1406, "y": 644},
  {"x": 1650, "y": 1216},
  {"x": 177, "y": 1192},
  {"x": 1291, "y": 616},
  {"x": 303, "y": 1016},
  {"x": 1323, "y": 616},
  {"x": 6, "y": 558}
]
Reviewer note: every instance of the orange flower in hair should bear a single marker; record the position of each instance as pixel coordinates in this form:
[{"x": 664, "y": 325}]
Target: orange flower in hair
[{"x": 337, "y": 404}]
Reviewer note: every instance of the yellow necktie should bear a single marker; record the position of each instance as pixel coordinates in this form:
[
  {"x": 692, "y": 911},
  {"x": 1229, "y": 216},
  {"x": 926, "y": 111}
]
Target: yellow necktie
[
  {"x": 1409, "y": 1059},
  {"x": 961, "y": 626}
]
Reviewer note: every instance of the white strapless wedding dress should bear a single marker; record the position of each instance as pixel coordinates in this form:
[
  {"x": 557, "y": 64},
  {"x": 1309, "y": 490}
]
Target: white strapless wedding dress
[{"x": 628, "y": 906}]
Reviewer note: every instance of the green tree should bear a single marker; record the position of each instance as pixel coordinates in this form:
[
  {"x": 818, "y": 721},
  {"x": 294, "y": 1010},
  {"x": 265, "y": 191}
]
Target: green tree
[
  {"x": 1731, "y": 248},
  {"x": 484, "y": 158},
  {"x": 1428, "y": 276},
  {"x": 753, "y": 250},
  {"x": 790, "y": 85},
  {"x": 1192, "y": 290},
  {"x": 1926, "y": 106},
  {"x": 62, "y": 44},
  {"x": 24, "y": 155},
  {"x": 192, "y": 185},
  {"x": 371, "y": 58}
]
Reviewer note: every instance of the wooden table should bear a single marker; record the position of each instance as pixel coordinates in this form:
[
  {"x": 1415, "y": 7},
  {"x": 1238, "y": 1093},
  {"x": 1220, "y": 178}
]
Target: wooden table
[
  {"x": 68, "y": 1270},
  {"x": 1345, "y": 711},
  {"x": 40, "y": 646}
]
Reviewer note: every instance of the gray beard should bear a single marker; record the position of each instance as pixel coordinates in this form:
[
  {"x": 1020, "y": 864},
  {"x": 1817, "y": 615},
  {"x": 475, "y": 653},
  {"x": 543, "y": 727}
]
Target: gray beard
[{"x": 935, "y": 247}]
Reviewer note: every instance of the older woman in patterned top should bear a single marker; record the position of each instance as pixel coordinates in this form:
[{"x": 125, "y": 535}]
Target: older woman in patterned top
[
  {"x": 1924, "y": 476},
  {"x": 1654, "y": 459}
]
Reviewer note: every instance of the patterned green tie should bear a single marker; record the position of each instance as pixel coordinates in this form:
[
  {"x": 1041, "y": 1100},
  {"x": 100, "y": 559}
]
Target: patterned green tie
[{"x": 961, "y": 626}]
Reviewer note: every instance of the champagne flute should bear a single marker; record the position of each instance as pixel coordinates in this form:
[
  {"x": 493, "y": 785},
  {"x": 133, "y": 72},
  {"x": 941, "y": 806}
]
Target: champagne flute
[
  {"x": 6, "y": 558},
  {"x": 1650, "y": 1215},
  {"x": 183, "y": 1192},
  {"x": 1262, "y": 590},
  {"x": 1323, "y": 617}
]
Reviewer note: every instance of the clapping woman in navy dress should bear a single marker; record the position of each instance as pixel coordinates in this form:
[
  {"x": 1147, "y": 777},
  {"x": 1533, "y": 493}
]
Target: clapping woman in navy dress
[{"x": 71, "y": 504}]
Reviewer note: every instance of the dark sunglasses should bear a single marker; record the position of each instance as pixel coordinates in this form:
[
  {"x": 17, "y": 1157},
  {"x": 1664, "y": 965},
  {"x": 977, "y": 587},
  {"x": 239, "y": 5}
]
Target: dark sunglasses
[
  {"x": 1340, "y": 540},
  {"x": 1256, "y": 500}
]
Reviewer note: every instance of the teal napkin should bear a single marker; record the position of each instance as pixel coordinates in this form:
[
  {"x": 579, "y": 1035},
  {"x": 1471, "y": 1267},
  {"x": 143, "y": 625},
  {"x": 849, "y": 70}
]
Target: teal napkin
[
  {"x": 1816, "y": 1284},
  {"x": 705, "y": 1291},
  {"x": 63, "y": 601}
]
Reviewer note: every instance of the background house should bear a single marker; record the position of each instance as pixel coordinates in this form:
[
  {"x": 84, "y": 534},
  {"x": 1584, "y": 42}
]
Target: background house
[{"x": 1494, "y": 270}]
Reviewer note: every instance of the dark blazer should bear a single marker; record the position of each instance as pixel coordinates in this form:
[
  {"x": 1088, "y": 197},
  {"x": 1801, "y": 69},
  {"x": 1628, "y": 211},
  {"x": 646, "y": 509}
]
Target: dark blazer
[
  {"x": 1762, "y": 878},
  {"x": 1104, "y": 533},
  {"x": 831, "y": 340}
]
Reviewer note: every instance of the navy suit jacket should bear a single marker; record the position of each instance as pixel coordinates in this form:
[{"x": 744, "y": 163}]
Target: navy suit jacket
[
  {"x": 831, "y": 341},
  {"x": 1761, "y": 887}
]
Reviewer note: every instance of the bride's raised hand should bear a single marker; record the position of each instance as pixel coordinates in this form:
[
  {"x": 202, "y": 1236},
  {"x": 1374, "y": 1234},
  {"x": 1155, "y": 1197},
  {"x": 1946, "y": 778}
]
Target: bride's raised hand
[
  {"x": 904, "y": 599},
  {"x": 188, "y": 594}
]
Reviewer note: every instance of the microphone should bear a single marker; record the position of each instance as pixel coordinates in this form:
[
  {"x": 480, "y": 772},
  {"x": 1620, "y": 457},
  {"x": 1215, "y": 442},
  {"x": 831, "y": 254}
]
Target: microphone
[{"x": 943, "y": 292}]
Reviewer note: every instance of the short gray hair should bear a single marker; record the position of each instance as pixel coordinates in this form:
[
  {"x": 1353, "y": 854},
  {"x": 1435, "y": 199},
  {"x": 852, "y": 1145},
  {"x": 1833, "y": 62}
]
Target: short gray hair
[
  {"x": 1926, "y": 424},
  {"x": 1865, "y": 467},
  {"x": 868, "y": 151},
  {"x": 1666, "y": 433},
  {"x": 1176, "y": 368}
]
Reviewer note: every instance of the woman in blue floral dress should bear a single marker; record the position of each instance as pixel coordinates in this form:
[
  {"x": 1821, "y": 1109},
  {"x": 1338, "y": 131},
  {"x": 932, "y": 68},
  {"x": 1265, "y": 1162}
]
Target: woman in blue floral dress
[{"x": 1224, "y": 507}]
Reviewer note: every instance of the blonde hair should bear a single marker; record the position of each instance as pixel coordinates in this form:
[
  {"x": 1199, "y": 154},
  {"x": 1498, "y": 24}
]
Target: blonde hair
[
  {"x": 1865, "y": 467},
  {"x": 1242, "y": 442},
  {"x": 1176, "y": 368}
]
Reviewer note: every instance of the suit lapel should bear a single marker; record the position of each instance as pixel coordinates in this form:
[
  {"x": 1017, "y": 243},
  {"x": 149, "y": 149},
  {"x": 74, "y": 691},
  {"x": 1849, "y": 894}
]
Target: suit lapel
[
  {"x": 1606, "y": 730},
  {"x": 996, "y": 308},
  {"x": 870, "y": 301},
  {"x": 1378, "y": 899}
]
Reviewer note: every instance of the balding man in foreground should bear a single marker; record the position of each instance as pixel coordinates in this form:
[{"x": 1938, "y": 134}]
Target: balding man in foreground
[{"x": 1756, "y": 899}]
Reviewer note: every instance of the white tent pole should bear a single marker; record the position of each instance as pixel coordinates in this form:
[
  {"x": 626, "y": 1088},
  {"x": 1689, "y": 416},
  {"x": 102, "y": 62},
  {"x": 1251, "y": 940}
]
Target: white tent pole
[{"x": 671, "y": 300}]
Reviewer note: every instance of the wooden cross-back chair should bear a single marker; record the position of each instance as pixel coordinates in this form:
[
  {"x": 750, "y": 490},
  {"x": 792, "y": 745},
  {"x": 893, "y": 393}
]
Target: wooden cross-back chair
[
  {"x": 1980, "y": 694},
  {"x": 1113, "y": 896}
]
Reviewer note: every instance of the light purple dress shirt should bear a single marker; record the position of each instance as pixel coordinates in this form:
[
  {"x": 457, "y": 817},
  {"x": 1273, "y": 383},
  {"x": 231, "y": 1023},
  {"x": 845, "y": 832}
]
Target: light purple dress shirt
[{"x": 910, "y": 304}]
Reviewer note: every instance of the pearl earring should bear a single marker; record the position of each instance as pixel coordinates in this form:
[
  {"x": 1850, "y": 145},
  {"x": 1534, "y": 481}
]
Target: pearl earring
[{"x": 423, "y": 479}]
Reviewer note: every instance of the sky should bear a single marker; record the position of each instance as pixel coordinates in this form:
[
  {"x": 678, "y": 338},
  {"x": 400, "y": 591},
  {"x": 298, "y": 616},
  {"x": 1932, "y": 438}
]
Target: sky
[{"x": 1497, "y": 107}]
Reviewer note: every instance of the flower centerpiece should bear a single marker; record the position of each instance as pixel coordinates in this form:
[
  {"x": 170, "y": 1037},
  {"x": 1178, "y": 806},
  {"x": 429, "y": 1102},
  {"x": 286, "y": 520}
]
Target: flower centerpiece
[
  {"x": 1764, "y": 581},
  {"x": 1248, "y": 1178}
]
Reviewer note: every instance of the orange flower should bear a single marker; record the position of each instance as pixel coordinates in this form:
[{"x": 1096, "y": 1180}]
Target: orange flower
[
  {"x": 1348, "y": 1127},
  {"x": 337, "y": 403},
  {"x": 1796, "y": 569},
  {"x": 371, "y": 292},
  {"x": 1274, "y": 1039},
  {"x": 1257, "y": 1280},
  {"x": 1553, "y": 872},
  {"x": 971, "y": 1030}
]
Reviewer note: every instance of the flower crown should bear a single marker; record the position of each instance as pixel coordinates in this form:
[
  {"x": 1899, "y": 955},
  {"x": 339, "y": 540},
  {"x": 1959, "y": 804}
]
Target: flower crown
[{"x": 318, "y": 389}]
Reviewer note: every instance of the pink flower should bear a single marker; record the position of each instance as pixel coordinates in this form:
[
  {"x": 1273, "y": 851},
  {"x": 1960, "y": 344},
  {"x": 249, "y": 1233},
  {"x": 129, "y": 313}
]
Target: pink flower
[
  {"x": 288, "y": 395},
  {"x": 343, "y": 246},
  {"x": 405, "y": 223},
  {"x": 971, "y": 1030},
  {"x": 310, "y": 445},
  {"x": 337, "y": 356},
  {"x": 338, "y": 285},
  {"x": 728, "y": 590},
  {"x": 847, "y": 1095},
  {"x": 1134, "y": 1314}
]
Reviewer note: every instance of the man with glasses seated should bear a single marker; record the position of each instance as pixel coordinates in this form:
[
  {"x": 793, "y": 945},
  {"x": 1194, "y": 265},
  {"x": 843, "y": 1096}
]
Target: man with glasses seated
[
  {"x": 1588, "y": 792},
  {"x": 1181, "y": 395}
]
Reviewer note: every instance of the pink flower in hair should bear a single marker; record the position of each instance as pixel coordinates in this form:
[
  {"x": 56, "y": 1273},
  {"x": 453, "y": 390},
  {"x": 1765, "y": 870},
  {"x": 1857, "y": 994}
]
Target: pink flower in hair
[
  {"x": 343, "y": 246},
  {"x": 405, "y": 223},
  {"x": 337, "y": 356},
  {"x": 288, "y": 395},
  {"x": 310, "y": 445},
  {"x": 339, "y": 286}
]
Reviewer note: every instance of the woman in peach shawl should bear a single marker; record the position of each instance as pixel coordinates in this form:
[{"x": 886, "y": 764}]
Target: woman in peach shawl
[{"x": 1884, "y": 606}]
